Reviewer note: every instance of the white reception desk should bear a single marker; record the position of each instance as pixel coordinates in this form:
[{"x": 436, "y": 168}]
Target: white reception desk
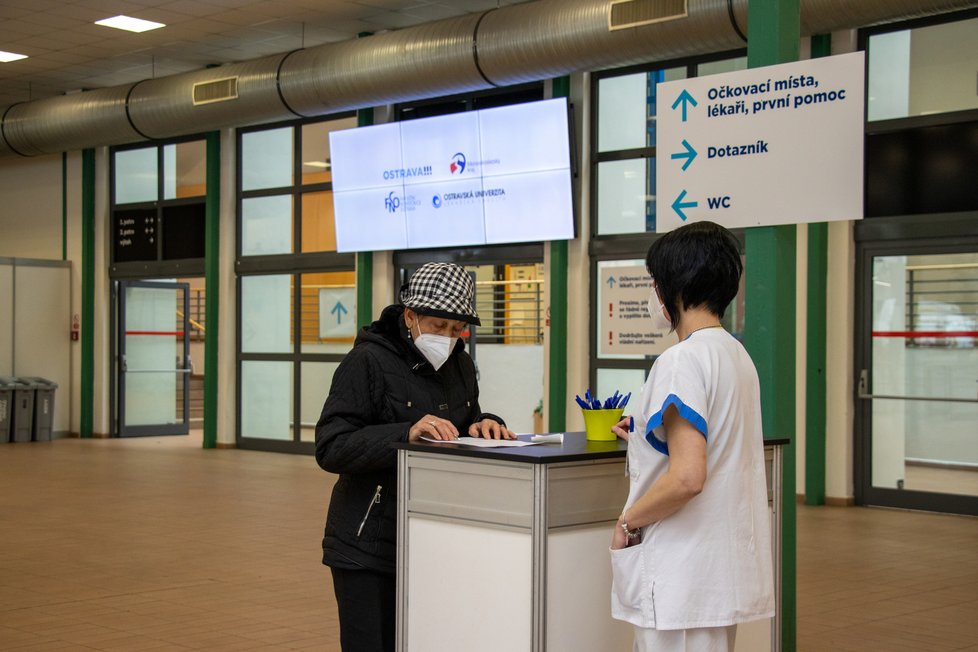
[{"x": 507, "y": 548}]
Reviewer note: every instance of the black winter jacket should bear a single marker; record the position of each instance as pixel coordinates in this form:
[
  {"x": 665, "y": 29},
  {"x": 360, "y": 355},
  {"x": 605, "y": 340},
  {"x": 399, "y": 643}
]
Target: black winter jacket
[{"x": 382, "y": 388}]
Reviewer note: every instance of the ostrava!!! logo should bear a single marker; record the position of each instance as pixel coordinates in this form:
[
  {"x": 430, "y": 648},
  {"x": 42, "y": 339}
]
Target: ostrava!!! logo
[
  {"x": 458, "y": 163},
  {"x": 391, "y": 203}
]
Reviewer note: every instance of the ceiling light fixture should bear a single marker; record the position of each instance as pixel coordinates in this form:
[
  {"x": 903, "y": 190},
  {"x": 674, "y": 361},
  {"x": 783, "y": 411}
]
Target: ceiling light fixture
[
  {"x": 129, "y": 24},
  {"x": 7, "y": 57}
]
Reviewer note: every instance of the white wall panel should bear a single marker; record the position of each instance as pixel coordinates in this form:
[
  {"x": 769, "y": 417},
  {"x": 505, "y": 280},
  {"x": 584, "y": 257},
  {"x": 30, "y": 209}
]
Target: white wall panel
[{"x": 41, "y": 324}]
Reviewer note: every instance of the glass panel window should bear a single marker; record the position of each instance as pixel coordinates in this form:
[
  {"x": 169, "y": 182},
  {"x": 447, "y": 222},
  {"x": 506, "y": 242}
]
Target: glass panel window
[
  {"x": 315, "y": 148},
  {"x": 185, "y": 170},
  {"x": 717, "y": 67},
  {"x": 266, "y": 399},
  {"x": 136, "y": 175},
  {"x": 623, "y": 112},
  {"x": 329, "y": 312},
  {"x": 266, "y": 317},
  {"x": 626, "y": 109},
  {"x": 626, "y": 196},
  {"x": 315, "y": 382},
  {"x": 318, "y": 227},
  {"x": 923, "y": 71},
  {"x": 266, "y": 225},
  {"x": 266, "y": 159}
]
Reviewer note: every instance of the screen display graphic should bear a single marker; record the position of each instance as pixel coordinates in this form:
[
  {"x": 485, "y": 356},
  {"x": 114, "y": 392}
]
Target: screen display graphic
[{"x": 481, "y": 177}]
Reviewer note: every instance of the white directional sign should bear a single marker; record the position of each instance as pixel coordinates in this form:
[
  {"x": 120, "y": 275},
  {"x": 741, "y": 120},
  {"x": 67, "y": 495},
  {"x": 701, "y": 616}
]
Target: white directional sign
[
  {"x": 774, "y": 145},
  {"x": 337, "y": 312}
]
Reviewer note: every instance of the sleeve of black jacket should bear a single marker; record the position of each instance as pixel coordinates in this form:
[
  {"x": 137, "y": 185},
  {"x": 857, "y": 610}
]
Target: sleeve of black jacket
[{"x": 353, "y": 434}]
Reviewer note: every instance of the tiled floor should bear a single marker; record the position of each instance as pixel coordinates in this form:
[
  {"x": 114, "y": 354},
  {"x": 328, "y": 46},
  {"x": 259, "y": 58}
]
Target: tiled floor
[{"x": 155, "y": 544}]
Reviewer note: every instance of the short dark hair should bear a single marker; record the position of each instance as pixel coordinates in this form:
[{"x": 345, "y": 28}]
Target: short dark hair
[{"x": 698, "y": 265}]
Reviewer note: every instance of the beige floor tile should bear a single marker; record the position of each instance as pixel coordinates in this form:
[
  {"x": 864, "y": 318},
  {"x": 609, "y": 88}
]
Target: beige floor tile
[{"x": 156, "y": 544}]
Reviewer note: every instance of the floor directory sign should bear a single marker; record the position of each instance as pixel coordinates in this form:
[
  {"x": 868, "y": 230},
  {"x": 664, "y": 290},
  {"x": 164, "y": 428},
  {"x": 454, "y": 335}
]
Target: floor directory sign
[
  {"x": 773, "y": 145},
  {"x": 624, "y": 325}
]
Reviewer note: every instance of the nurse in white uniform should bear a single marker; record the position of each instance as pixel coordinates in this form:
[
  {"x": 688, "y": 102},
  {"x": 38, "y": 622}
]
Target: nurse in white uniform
[{"x": 691, "y": 552}]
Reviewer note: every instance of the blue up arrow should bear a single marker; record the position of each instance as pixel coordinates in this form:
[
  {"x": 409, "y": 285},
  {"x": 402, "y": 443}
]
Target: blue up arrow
[
  {"x": 689, "y": 154},
  {"x": 686, "y": 99},
  {"x": 611, "y": 281},
  {"x": 679, "y": 205},
  {"x": 340, "y": 310}
]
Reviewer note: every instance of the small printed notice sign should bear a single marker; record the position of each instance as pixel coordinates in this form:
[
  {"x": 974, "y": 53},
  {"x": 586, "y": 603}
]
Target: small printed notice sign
[
  {"x": 624, "y": 326},
  {"x": 779, "y": 144}
]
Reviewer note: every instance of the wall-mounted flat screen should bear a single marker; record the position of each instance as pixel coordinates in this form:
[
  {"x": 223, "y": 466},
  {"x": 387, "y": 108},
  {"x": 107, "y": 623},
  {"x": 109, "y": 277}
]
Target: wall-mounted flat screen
[{"x": 480, "y": 177}]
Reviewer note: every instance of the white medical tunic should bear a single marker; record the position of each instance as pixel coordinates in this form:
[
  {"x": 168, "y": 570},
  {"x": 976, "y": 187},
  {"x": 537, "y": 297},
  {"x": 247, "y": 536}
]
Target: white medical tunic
[{"x": 708, "y": 564}]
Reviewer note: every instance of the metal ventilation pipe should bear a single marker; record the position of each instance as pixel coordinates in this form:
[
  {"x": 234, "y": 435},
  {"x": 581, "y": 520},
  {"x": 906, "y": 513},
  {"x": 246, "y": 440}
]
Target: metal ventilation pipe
[{"x": 518, "y": 43}]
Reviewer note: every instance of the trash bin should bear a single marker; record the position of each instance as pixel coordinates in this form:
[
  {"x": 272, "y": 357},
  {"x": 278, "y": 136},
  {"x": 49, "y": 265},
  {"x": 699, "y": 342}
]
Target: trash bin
[
  {"x": 6, "y": 408},
  {"x": 22, "y": 415},
  {"x": 43, "y": 421}
]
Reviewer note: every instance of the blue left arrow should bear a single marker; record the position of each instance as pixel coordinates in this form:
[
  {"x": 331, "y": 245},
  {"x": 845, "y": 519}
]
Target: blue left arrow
[
  {"x": 679, "y": 205},
  {"x": 689, "y": 154},
  {"x": 339, "y": 309},
  {"x": 686, "y": 99}
]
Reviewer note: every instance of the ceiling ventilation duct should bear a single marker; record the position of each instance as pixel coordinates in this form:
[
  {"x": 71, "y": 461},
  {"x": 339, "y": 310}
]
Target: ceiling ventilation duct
[{"x": 513, "y": 44}]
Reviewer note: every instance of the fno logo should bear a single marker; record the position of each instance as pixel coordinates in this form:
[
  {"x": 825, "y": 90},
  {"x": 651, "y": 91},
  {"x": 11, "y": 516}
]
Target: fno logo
[
  {"x": 392, "y": 203},
  {"x": 458, "y": 163},
  {"x": 436, "y": 201}
]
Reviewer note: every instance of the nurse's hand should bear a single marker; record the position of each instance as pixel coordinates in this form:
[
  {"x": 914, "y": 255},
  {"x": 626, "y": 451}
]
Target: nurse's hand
[
  {"x": 490, "y": 429},
  {"x": 618, "y": 538},
  {"x": 622, "y": 428}
]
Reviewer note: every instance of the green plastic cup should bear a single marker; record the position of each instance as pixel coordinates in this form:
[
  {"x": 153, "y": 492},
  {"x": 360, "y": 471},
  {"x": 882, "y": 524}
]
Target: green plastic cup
[{"x": 597, "y": 423}]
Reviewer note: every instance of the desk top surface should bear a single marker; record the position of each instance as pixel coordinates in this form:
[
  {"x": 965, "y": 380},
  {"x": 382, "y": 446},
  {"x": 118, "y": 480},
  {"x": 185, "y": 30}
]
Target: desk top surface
[{"x": 576, "y": 448}]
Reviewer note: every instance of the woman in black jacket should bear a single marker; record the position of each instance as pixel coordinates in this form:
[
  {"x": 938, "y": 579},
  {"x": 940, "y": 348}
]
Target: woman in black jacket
[{"x": 407, "y": 376}]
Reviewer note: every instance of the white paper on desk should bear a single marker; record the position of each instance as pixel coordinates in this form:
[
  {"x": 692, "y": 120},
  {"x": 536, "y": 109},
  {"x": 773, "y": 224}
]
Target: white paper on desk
[{"x": 478, "y": 442}]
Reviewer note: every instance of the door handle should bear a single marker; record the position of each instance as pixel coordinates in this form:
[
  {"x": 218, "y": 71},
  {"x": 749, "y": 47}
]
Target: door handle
[{"x": 864, "y": 394}]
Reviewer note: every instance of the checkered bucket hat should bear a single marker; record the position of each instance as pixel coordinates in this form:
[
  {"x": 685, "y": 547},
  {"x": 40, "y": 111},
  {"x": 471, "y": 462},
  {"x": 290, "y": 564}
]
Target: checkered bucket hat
[{"x": 441, "y": 290}]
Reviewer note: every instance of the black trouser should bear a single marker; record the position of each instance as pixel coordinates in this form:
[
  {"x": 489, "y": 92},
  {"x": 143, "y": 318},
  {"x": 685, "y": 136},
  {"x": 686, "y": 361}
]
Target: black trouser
[{"x": 366, "y": 602}]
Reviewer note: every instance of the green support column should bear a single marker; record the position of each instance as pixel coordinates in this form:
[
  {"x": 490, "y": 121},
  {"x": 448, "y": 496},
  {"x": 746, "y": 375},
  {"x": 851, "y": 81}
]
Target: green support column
[
  {"x": 769, "y": 332},
  {"x": 557, "y": 369},
  {"x": 87, "y": 406},
  {"x": 212, "y": 287},
  {"x": 365, "y": 259},
  {"x": 818, "y": 255}
]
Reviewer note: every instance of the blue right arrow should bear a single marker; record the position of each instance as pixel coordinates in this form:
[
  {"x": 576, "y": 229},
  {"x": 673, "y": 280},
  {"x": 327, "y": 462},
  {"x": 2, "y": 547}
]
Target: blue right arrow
[
  {"x": 679, "y": 205},
  {"x": 689, "y": 154},
  {"x": 686, "y": 99}
]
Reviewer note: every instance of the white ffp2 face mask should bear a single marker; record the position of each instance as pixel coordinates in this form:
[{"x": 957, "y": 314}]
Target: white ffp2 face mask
[
  {"x": 657, "y": 312},
  {"x": 435, "y": 348}
]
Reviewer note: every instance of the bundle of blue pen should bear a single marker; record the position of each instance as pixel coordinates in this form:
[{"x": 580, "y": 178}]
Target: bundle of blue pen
[{"x": 616, "y": 400}]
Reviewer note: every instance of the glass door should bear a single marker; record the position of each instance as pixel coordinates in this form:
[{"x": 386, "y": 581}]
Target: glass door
[
  {"x": 154, "y": 358},
  {"x": 918, "y": 379}
]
